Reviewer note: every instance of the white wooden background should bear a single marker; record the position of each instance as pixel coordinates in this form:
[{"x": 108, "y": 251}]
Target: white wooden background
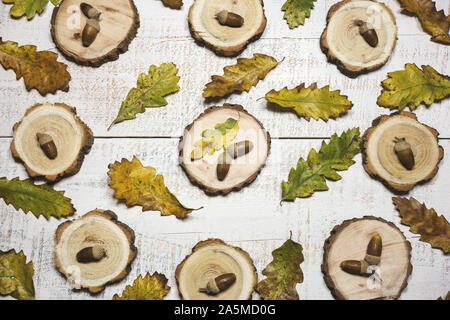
[{"x": 251, "y": 218}]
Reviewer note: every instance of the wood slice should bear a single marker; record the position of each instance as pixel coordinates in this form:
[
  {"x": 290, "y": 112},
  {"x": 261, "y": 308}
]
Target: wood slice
[
  {"x": 348, "y": 241},
  {"x": 343, "y": 44},
  {"x": 98, "y": 227},
  {"x": 380, "y": 160},
  {"x": 119, "y": 21},
  {"x": 243, "y": 170},
  {"x": 72, "y": 137},
  {"x": 210, "y": 259},
  {"x": 222, "y": 39}
]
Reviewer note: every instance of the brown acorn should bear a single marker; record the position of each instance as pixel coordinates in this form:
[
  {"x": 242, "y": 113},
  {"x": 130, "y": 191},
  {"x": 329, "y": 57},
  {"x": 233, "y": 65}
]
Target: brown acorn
[
  {"x": 91, "y": 254},
  {"x": 89, "y": 11},
  {"x": 240, "y": 148},
  {"x": 374, "y": 248},
  {"x": 90, "y": 32},
  {"x": 47, "y": 145},
  {"x": 356, "y": 267},
  {"x": 219, "y": 284},
  {"x": 367, "y": 31},
  {"x": 404, "y": 153},
  {"x": 223, "y": 166},
  {"x": 229, "y": 19}
]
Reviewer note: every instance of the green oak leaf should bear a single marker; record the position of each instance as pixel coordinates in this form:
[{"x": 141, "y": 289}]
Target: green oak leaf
[
  {"x": 150, "y": 91},
  {"x": 39, "y": 199},
  {"x": 310, "y": 174},
  {"x": 296, "y": 11},
  {"x": 16, "y": 275},
  {"x": 412, "y": 86},
  {"x": 28, "y": 8},
  {"x": 283, "y": 273}
]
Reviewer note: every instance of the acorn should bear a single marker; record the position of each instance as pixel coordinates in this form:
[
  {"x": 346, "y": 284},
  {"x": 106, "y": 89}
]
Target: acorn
[
  {"x": 91, "y": 254},
  {"x": 367, "y": 31},
  {"x": 223, "y": 166},
  {"x": 230, "y": 19},
  {"x": 219, "y": 284},
  {"x": 404, "y": 153},
  {"x": 89, "y": 11},
  {"x": 47, "y": 145},
  {"x": 90, "y": 32},
  {"x": 374, "y": 248},
  {"x": 240, "y": 148},
  {"x": 356, "y": 267}
]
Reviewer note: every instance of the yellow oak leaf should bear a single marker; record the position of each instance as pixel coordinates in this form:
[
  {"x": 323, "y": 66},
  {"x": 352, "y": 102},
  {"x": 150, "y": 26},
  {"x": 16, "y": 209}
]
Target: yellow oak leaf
[
  {"x": 16, "y": 275},
  {"x": 240, "y": 77},
  {"x": 151, "y": 287},
  {"x": 139, "y": 185},
  {"x": 39, "y": 69}
]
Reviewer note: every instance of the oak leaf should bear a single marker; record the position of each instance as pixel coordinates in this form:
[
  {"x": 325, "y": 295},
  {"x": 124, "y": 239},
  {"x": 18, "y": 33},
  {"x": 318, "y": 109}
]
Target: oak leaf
[
  {"x": 310, "y": 175},
  {"x": 447, "y": 297},
  {"x": 433, "y": 22},
  {"x": 296, "y": 11},
  {"x": 215, "y": 139},
  {"x": 173, "y": 4},
  {"x": 16, "y": 275},
  {"x": 240, "y": 77},
  {"x": 39, "y": 69},
  {"x": 152, "y": 287},
  {"x": 412, "y": 86},
  {"x": 432, "y": 228},
  {"x": 311, "y": 102},
  {"x": 28, "y": 8},
  {"x": 283, "y": 273},
  {"x": 150, "y": 91},
  {"x": 39, "y": 199},
  {"x": 139, "y": 185}
]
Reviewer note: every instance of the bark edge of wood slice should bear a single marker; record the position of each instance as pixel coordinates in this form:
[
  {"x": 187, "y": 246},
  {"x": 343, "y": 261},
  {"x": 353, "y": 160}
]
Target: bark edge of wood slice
[
  {"x": 388, "y": 169},
  {"x": 70, "y": 45},
  {"x": 211, "y": 39},
  {"x": 118, "y": 239},
  {"x": 213, "y": 186},
  {"x": 337, "y": 280},
  {"x": 354, "y": 42},
  {"x": 246, "y": 280},
  {"x": 29, "y": 152}
]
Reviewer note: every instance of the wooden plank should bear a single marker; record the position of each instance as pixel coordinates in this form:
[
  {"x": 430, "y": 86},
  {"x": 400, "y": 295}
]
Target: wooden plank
[
  {"x": 164, "y": 36},
  {"x": 251, "y": 218}
]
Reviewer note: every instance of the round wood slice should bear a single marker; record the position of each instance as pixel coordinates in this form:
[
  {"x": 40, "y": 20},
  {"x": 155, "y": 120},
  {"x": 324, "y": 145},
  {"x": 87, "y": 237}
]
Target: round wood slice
[
  {"x": 210, "y": 259},
  {"x": 349, "y": 241},
  {"x": 343, "y": 44},
  {"x": 381, "y": 161},
  {"x": 98, "y": 227},
  {"x": 119, "y": 21},
  {"x": 222, "y": 39},
  {"x": 72, "y": 137},
  {"x": 243, "y": 170}
]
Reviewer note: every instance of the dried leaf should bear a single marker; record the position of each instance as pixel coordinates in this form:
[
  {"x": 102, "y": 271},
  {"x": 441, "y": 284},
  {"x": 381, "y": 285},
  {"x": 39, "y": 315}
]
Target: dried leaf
[
  {"x": 310, "y": 174},
  {"x": 296, "y": 11},
  {"x": 215, "y": 139},
  {"x": 173, "y": 4},
  {"x": 150, "y": 92},
  {"x": 447, "y": 297},
  {"x": 29, "y": 8},
  {"x": 39, "y": 199},
  {"x": 311, "y": 102},
  {"x": 433, "y": 22},
  {"x": 283, "y": 273},
  {"x": 139, "y": 185},
  {"x": 16, "y": 275},
  {"x": 432, "y": 228},
  {"x": 412, "y": 86},
  {"x": 152, "y": 287},
  {"x": 39, "y": 69},
  {"x": 240, "y": 77}
]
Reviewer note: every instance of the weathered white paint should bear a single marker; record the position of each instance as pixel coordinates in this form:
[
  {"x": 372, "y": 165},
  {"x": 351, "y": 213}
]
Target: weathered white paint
[{"x": 251, "y": 218}]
